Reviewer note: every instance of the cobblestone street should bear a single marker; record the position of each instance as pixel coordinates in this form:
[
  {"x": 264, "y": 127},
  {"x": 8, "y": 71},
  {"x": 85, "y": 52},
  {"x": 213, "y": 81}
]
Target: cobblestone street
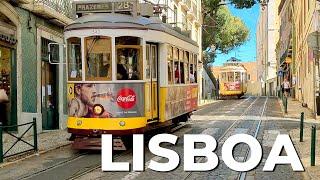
[{"x": 220, "y": 119}]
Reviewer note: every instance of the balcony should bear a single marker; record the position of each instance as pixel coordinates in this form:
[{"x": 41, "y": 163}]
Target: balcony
[{"x": 49, "y": 9}]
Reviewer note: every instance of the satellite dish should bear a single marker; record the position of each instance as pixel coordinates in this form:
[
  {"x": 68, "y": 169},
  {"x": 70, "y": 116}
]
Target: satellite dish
[{"x": 313, "y": 40}]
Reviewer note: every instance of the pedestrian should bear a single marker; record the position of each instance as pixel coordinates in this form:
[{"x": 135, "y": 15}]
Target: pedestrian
[{"x": 286, "y": 87}]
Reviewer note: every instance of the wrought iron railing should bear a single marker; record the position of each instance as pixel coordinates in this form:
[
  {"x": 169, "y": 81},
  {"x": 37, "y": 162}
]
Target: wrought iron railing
[
  {"x": 62, "y": 6},
  {"x": 33, "y": 147}
]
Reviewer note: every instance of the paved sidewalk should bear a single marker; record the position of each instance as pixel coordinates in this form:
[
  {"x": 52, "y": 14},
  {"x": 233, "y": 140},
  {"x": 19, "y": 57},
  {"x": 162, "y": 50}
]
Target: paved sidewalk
[
  {"x": 46, "y": 141},
  {"x": 204, "y": 102},
  {"x": 295, "y": 108}
]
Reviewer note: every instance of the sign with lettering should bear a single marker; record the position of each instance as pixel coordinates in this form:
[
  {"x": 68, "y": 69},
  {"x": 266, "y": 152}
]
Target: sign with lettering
[{"x": 103, "y": 7}]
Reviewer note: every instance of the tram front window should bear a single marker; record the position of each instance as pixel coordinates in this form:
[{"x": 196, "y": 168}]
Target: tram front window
[
  {"x": 230, "y": 76},
  {"x": 98, "y": 56},
  {"x": 128, "y": 64},
  {"x": 74, "y": 59}
]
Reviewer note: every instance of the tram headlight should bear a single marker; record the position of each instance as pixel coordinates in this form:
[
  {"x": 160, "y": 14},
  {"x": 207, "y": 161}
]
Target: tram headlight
[{"x": 98, "y": 109}]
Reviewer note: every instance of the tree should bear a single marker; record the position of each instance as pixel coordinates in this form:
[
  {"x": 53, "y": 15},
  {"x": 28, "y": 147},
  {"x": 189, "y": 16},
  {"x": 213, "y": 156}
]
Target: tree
[
  {"x": 222, "y": 31},
  {"x": 229, "y": 32}
]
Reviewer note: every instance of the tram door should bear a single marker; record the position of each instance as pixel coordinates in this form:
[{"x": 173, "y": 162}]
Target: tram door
[{"x": 152, "y": 62}]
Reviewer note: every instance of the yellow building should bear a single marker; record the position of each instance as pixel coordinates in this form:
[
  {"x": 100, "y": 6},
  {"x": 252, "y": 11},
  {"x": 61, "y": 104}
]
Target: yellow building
[{"x": 304, "y": 68}]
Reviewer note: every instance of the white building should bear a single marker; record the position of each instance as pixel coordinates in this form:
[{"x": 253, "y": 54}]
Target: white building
[{"x": 267, "y": 36}]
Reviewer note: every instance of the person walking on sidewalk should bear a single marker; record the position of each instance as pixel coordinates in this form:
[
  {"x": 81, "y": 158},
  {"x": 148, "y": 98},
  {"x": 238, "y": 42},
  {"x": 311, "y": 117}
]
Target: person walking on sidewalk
[{"x": 286, "y": 87}]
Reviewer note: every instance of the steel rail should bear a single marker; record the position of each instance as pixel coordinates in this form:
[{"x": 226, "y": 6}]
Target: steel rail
[
  {"x": 226, "y": 132},
  {"x": 242, "y": 175},
  {"x": 95, "y": 167}
]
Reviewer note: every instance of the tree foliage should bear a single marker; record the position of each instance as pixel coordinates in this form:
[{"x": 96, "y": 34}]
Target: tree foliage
[
  {"x": 221, "y": 29},
  {"x": 228, "y": 32}
]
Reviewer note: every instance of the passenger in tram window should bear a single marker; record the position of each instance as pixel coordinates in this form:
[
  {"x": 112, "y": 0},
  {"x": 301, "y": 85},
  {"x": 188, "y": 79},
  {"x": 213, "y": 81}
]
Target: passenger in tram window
[
  {"x": 83, "y": 102},
  {"x": 122, "y": 69},
  {"x": 176, "y": 73}
]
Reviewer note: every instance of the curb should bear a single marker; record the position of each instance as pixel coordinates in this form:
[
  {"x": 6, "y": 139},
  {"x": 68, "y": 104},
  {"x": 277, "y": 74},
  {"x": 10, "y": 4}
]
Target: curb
[{"x": 33, "y": 155}]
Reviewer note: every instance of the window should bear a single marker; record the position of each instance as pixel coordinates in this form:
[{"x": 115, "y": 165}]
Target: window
[
  {"x": 192, "y": 69},
  {"x": 148, "y": 61},
  {"x": 181, "y": 66},
  {"x": 74, "y": 59},
  {"x": 195, "y": 65},
  {"x": 154, "y": 61},
  {"x": 230, "y": 76},
  {"x": 237, "y": 76},
  {"x": 129, "y": 58},
  {"x": 176, "y": 66},
  {"x": 170, "y": 64},
  {"x": 98, "y": 58},
  {"x": 186, "y": 66},
  {"x": 249, "y": 77}
]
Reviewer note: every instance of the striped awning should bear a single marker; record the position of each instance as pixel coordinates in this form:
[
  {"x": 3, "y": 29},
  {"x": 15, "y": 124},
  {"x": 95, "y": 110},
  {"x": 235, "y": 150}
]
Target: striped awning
[{"x": 8, "y": 39}]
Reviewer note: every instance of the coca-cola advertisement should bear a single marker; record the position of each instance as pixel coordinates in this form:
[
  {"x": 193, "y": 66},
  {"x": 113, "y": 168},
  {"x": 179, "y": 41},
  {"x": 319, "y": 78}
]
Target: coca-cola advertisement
[
  {"x": 106, "y": 100},
  {"x": 232, "y": 86}
]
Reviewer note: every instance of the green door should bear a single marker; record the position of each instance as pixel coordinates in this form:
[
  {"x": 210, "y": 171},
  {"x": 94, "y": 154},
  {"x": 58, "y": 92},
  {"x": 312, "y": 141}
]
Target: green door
[{"x": 49, "y": 90}]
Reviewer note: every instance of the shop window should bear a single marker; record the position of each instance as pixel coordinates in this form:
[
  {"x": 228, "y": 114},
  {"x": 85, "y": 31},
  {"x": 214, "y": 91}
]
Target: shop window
[
  {"x": 129, "y": 58},
  {"x": 74, "y": 59},
  {"x": 98, "y": 58},
  {"x": 5, "y": 83}
]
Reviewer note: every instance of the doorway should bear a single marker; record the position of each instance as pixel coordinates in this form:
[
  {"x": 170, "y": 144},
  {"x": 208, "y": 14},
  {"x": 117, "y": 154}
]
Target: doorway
[{"x": 49, "y": 88}]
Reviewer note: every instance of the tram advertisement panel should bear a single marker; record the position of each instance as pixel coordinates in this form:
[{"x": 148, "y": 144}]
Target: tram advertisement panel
[
  {"x": 232, "y": 86},
  {"x": 106, "y": 100},
  {"x": 181, "y": 99}
]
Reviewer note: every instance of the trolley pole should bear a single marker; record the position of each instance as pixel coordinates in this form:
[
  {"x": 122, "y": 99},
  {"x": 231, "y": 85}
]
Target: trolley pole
[
  {"x": 301, "y": 126},
  {"x": 313, "y": 145}
]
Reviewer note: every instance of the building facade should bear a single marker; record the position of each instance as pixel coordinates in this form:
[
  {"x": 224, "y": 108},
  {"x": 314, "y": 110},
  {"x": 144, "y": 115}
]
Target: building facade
[
  {"x": 267, "y": 38},
  {"x": 305, "y": 64},
  {"x": 33, "y": 85}
]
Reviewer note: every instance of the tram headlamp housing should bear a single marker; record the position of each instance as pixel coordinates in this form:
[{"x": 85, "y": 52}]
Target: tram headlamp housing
[{"x": 98, "y": 109}]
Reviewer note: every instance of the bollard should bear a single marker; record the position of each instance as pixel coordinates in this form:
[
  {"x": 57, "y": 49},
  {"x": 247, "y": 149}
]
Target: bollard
[
  {"x": 35, "y": 135},
  {"x": 313, "y": 145},
  {"x": 1, "y": 144},
  {"x": 301, "y": 126}
]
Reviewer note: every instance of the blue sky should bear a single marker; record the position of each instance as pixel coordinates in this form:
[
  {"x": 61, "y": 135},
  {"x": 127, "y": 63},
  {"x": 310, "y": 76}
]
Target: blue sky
[{"x": 246, "y": 52}]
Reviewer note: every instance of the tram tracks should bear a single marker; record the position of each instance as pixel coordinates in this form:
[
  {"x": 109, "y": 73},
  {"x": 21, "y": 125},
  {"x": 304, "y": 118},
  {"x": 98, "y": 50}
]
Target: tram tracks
[{"x": 228, "y": 131}]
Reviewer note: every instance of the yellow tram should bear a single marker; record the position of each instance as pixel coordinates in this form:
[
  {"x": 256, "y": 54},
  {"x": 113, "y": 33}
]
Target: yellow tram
[
  {"x": 232, "y": 79},
  {"x": 127, "y": 74}
]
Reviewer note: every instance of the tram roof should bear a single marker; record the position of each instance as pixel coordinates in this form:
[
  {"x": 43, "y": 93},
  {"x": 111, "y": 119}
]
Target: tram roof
[{"x": 122, "y": 21}]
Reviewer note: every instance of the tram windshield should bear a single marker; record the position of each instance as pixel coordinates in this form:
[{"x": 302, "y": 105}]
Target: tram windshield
[
  {"x": 98, "y": 58},
  {"x": 129, "y": 58}
]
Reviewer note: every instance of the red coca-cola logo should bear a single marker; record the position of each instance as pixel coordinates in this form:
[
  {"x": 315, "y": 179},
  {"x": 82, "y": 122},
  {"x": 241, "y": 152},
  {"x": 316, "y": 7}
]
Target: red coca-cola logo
[{"x": 126, "y": 98}]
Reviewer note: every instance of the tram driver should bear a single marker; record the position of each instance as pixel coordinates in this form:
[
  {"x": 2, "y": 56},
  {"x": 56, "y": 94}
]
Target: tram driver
[{"x": 122, "y": 69}]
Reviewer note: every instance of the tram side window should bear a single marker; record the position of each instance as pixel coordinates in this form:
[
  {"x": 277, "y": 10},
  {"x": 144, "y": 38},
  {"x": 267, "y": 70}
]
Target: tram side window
[
  {"x": 98, "y": 58},
  {"x": 129, "y": 58},
  {"x": 170, "y": 64},
  {"x": 181, "y": 66},
  {"x": 148, "y": 61},
  {"x": 195, "y": 65},
  {"x": 186, "y": 66},
  {"x": 223, "y": 76},
  {"x": 191, "y": 76},
  {"x": 176, "y": 66},
  {"x": 74, "y": 59}
]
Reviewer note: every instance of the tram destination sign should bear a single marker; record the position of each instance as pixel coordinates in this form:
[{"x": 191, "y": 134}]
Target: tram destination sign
[{"x": 96, "y": 7}]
